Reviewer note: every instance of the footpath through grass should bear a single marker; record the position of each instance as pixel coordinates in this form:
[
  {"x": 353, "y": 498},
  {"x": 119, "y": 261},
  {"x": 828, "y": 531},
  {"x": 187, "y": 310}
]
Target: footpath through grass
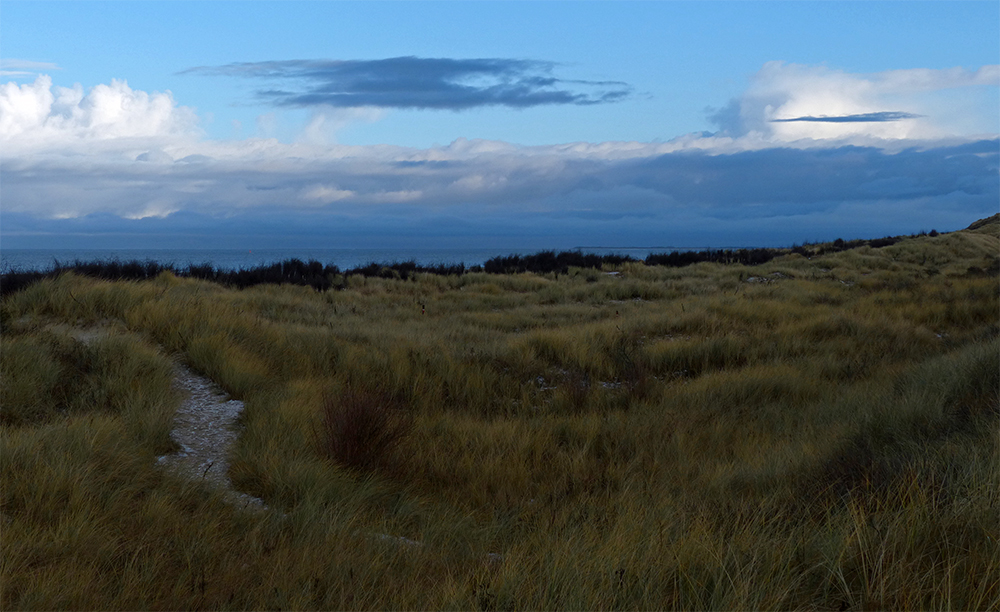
[{"x": 806, "y": 433}]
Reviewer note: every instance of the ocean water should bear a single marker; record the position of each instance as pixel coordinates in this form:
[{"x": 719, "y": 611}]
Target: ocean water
[{"x": 229, "y": 259}]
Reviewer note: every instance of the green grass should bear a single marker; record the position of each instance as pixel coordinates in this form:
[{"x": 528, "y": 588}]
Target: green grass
[{"x": 822, "y": 437}]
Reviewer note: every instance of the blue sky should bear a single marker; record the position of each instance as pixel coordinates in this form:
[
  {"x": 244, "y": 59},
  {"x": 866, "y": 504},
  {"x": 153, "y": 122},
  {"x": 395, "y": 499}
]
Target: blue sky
[{"x": 520, "y": 125}]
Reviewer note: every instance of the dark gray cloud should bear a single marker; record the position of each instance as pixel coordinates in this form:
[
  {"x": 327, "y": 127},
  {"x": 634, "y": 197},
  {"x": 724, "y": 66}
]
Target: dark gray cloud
[
  {"x": 860, "y": 118},
  {"x": 776, "y": 181},
  {"x": 415, "y": 82}
]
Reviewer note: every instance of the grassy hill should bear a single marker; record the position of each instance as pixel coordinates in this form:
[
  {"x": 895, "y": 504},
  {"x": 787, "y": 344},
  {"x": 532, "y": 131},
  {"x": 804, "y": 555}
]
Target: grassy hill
[{"x": 818, "y": 431}]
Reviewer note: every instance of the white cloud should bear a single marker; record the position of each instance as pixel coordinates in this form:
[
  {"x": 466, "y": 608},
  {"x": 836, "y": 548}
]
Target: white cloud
[
  {"x": 924, "y": 79},
  {"x": 948, "y": 103},
  {"x": 325, "y": 194},
  {"x": 37, "y": 117},
  {"x": 17, "y": 68},
  {"x": 158, "y": 209}
]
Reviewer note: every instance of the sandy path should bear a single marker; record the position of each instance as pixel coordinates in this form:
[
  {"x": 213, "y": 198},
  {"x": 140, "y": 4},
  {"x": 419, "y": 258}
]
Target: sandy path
[
  {"x": 204, "y": 425},
  {"x": 205, "y": 429}
]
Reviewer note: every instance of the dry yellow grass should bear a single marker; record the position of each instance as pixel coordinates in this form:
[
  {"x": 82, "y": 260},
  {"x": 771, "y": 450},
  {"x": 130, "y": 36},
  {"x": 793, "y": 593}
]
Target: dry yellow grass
[{"x": 809, "y": 433}]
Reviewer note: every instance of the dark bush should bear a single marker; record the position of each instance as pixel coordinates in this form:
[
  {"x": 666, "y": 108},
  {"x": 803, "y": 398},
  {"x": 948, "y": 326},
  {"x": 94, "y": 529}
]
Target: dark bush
[
  {"x": 878, "y": 243},
  {"x": 17, "y": 280},
  {"x": 747, "y": 257},
  {"x": 362, "y": 429}
]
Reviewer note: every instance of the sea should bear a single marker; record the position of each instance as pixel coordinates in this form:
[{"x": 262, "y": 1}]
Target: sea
[{"x": 231, "y": 259}]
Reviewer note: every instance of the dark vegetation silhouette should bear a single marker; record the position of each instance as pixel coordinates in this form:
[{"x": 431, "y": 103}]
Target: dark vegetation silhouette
[
  {"x": 311, "y": 273},
  {"x": 547, "y": 262},
  {"x": 322, "y": 277}
]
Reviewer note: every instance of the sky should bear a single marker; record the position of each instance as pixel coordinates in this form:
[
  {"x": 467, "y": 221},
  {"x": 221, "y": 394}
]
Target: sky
[{"x": 518, "y": 125}]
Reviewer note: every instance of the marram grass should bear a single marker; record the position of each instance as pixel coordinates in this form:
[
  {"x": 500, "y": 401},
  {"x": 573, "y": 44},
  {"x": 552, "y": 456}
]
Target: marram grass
[{"x": 810, "y": 433}]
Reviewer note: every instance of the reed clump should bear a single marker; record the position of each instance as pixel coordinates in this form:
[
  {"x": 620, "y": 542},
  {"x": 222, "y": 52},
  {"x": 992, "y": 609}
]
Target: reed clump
[{"x": 816, "y": 430}]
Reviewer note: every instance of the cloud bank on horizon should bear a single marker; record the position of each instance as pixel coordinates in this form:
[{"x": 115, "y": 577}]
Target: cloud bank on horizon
[{"x": 805, "y": 153}]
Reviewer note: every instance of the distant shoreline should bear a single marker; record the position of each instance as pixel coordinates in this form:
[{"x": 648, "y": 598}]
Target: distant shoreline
[{"x": 275, "y": 267}]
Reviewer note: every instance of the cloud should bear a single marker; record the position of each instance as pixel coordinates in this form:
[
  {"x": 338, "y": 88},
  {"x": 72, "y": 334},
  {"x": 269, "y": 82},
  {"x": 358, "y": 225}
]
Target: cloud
[
  {"x": 788, "y": 102},
  {"x": 815, "y": 179},
  {"x": 326, "y": 121},
  {"x": 37, "y": 116},
  {"x": 420, "y": 83},
  {"x": 155, "y": 156},
  {"x": 490, "y": 184},
  {"x": 326, "y": 194},
  {"x": 16, "y": 68},
  {"x": 860, "y": 118},
  {"x": 113, "y": 160}
]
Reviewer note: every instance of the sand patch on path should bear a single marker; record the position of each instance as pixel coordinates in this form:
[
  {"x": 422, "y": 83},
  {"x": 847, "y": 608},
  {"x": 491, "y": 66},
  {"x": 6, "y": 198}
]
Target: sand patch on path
[{"x": 205, "y": 429}]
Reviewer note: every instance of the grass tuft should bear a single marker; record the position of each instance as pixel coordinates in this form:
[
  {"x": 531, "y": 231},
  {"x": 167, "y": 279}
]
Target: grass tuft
[{"x": 362, "y": 429}]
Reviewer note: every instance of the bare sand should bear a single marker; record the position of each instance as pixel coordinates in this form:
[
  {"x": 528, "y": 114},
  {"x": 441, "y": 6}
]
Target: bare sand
[{"x": 205, "y": 428}]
